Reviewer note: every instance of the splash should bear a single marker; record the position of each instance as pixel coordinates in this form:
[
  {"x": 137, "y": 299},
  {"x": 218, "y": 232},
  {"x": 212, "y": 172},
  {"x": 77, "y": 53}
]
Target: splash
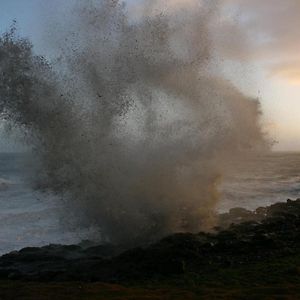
[{"x": 129, "y": 124}]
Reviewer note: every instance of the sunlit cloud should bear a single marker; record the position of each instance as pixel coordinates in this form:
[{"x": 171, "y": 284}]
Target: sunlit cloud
[
  {"x": 266, "y": 31},
  {"x": 289, "y": 71}
]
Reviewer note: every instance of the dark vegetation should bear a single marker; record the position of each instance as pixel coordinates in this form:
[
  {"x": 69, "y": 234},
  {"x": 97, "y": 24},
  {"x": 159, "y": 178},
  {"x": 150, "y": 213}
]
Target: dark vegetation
[{"x": 258, "y": 256}]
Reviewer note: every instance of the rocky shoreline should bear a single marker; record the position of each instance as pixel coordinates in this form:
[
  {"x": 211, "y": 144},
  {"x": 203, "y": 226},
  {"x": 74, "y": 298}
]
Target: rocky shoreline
[{"x": 243, "y": 238}]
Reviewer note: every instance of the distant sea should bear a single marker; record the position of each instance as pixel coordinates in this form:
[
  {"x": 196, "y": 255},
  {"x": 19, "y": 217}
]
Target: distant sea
[
  {"x": 261, "y": 181},
  {"x": 31, "y": 218}
]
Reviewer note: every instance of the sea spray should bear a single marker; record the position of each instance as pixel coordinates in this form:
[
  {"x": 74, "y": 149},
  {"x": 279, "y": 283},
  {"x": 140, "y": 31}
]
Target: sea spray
[{"x": 129, "y": 124}]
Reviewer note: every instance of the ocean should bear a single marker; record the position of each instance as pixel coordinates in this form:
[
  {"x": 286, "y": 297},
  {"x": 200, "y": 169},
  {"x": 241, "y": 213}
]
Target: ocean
[
  {"x": 31, "y": 218},
  {"x": 27, "y": 217},
  {"x": 261, "y": 181}
]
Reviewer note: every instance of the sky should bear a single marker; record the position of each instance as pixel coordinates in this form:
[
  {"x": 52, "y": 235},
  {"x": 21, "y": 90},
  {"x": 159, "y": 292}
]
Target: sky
[
  {"x": 264, "y": 62},
  {"x": 268, "y": 39}
]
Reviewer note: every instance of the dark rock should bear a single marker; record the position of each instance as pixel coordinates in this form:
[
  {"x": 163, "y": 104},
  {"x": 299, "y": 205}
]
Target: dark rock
[{"x": 252, "y": 238}]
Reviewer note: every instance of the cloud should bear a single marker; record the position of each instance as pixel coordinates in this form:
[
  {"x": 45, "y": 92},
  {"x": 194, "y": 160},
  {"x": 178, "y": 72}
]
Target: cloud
[
  {"x": 266, "y": 31},
  {"x": 289, "y": 71}
]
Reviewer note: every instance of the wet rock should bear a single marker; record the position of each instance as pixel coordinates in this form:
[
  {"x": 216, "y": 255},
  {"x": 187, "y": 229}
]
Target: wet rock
[{"x": 243, "y": 243}]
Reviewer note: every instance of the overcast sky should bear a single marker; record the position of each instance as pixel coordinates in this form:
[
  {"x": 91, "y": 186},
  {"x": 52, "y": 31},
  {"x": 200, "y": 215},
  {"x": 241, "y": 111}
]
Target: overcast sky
[
  {"x": 265, "y": 61},
  {"x": 271, "y": 28}
]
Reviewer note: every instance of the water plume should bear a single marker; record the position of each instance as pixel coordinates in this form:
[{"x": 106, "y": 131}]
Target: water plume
[{"x": 129, "y": 124}]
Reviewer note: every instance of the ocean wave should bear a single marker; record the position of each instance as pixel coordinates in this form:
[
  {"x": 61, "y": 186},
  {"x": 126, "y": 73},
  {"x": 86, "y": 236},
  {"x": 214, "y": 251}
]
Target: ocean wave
[{"x": 5, "y": 184}]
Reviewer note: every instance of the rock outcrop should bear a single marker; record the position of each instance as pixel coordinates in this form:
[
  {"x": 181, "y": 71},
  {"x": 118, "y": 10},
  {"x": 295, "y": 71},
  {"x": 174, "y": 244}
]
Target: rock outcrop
[{"x": 245, "y": 237}]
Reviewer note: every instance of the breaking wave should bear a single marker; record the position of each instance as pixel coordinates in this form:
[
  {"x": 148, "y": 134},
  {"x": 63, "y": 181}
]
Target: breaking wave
[{"x": 129, "y": 124}]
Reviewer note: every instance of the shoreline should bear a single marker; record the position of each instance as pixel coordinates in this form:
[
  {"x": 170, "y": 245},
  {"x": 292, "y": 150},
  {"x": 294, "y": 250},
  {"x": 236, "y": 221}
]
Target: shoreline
[{"x": 258, "y": 256}]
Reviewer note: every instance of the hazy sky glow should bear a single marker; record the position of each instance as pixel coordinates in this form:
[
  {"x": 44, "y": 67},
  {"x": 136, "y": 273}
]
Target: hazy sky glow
[
  {"x": 265, "y": 61},
  {"x": 269, "y": 31}
]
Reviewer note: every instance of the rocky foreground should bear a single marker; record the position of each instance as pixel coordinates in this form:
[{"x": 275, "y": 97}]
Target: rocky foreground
[{"x": 243, "y": 241}]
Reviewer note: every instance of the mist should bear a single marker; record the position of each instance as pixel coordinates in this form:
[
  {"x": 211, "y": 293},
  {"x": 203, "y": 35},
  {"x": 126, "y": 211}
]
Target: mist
[{"x": 130, "y": 124}]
